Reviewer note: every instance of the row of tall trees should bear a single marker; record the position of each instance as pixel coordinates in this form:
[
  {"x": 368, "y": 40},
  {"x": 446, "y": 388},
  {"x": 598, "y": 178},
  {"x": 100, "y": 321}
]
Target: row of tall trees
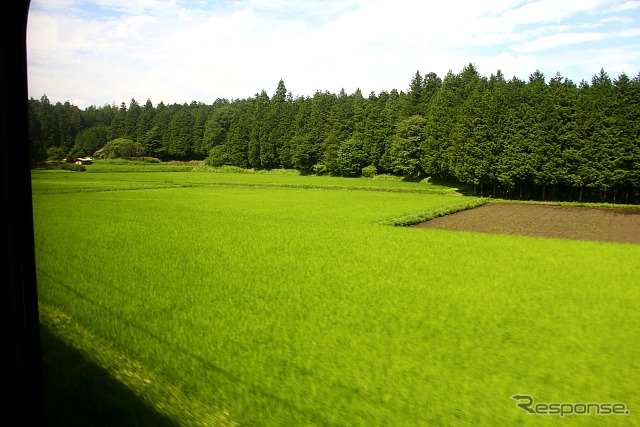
[
  {"x": 165, "y": 131},
  {"x": 504, "y": 137}
]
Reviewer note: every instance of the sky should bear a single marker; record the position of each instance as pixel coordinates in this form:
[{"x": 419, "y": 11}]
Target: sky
[{"x": 101, "y": 52}]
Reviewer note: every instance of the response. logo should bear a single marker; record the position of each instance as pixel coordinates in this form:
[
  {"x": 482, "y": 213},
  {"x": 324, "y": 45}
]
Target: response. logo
[{"x": 562, "y": 409}]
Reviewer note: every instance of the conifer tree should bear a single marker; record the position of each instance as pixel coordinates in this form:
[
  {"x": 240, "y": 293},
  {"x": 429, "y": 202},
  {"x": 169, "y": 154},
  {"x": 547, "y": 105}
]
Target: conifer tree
[
  {"x": 118, "y": 124},
  {"x": 406, "y": 148},
  {"x": 258, "y": 128},
  {"x": 131, "y": 119}
]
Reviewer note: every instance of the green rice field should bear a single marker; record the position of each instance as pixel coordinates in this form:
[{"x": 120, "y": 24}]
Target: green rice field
[{"x": 288, "y": 300}]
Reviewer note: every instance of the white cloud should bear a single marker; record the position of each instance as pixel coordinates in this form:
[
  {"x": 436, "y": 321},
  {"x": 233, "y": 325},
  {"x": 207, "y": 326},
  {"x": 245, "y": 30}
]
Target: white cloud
[
  {"x": 562, "y": 39},
  {"x": 107, "y": 51},
  {"x": 625, "y": 6},
  {"x": 565, "y": 39}
]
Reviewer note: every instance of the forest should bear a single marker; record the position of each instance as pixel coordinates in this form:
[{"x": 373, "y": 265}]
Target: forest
[{"x": 539, "y": 139}]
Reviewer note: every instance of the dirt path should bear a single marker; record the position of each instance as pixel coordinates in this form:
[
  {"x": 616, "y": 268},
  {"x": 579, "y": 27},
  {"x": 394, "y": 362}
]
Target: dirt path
[{"x": 563, "y": 222}]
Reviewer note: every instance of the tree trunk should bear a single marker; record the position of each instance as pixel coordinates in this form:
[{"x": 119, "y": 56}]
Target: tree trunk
[
  {"x": 422, "y": 173},
  {"x": 544, "y": 192},
  {"x": 581, "y": 192}
]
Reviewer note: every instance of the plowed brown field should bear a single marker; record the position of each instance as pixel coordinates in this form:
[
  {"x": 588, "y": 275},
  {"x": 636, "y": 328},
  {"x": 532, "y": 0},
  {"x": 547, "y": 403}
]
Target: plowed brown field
[{"x": 562, "y": 222}]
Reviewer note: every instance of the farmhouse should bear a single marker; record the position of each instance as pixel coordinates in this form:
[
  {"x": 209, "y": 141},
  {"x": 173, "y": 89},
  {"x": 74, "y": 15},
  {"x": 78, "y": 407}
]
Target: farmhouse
[{"x": 83, "y": 161}]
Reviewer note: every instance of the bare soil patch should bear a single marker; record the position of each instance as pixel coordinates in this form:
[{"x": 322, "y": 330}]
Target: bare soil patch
[{"x": 561, "y": 222}]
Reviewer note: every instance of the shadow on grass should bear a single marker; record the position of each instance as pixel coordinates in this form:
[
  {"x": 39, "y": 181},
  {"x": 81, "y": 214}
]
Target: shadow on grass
[{"x": 79, "y": 393}]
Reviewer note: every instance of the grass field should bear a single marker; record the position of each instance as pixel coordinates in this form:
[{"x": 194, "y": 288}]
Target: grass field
[{"x": 282, "y": 300}]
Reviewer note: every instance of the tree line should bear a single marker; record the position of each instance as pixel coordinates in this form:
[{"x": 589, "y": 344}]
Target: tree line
[{"x": 533, "y": 139}]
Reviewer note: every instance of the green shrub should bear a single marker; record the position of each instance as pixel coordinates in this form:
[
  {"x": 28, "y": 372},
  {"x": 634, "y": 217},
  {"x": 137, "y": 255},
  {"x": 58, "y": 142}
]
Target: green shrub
[
  {"x": 119, "y": 147},
  {"x": 218, "y": 156},
  {"x": 352, "y": 156},
  {"x": 55, "y": 153},
  {"x": 73, "y": 167},
  {"x": 369, "y": 171},
  {"x": 320, "y": 169},
  {"x": 148, "y": 159},
  {"x": 304, "y": 154}
]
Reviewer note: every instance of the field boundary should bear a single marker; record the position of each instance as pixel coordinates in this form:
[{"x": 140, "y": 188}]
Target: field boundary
[
  {"x": 335, "y": 187},
  {"x": 568, "y": 204},
  {"x": 166, "y": 398},
  {"x": 424, "y": 216},
  {"x": 445, "y": 192},
  {"x": 108, "y": 189}
]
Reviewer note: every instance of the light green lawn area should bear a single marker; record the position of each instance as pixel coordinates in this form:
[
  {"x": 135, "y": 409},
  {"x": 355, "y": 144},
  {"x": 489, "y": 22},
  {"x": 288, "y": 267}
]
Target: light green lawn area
[{"x": 286, "y": 304}]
